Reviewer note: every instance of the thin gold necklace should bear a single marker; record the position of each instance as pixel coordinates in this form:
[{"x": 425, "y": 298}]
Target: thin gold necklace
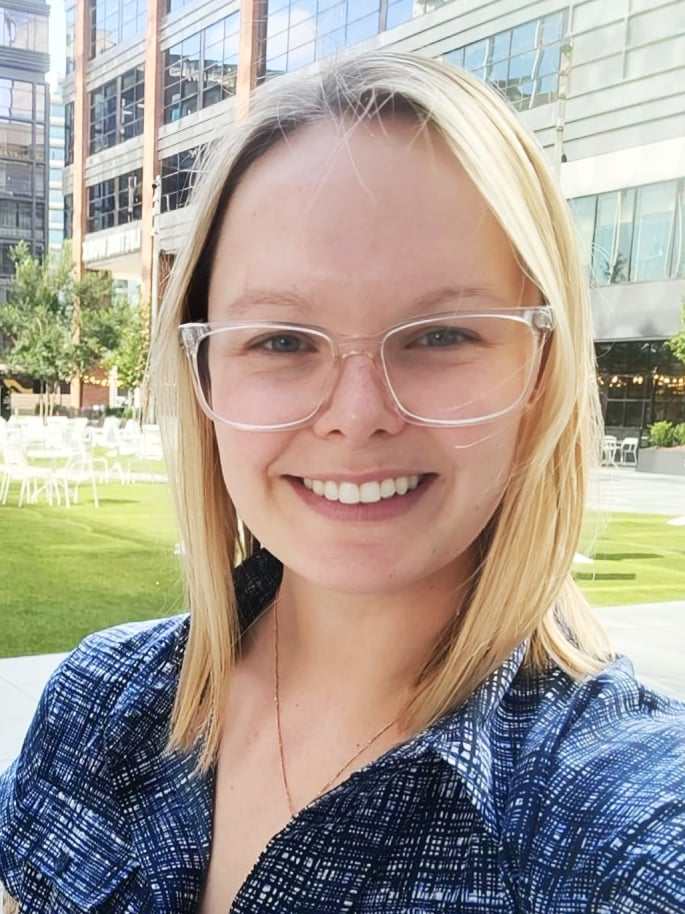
[{"x": 280, "y": 736}]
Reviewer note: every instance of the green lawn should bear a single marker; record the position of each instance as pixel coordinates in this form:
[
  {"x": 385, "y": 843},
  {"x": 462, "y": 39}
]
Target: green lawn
[
  {"x": 638, "y": 558},
  {"x": 68, "y": 572}
]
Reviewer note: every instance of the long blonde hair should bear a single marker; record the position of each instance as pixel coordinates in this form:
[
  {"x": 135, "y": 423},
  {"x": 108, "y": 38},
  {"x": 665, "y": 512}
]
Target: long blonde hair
[{"x": 523, "y": 587}]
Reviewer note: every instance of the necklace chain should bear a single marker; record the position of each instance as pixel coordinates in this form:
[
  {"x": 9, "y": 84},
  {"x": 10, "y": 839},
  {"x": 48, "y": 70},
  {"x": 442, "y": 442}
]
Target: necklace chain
[{"x": 280, "y": 735}]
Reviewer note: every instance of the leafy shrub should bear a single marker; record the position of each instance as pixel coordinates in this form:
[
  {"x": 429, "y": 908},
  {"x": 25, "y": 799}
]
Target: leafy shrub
[
  {"x": 679, "y": 433},
  {"x": 661, "y": 434}
]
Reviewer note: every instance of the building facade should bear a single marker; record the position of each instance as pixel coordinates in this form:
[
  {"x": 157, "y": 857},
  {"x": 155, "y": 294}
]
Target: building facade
[
  {"x": 24, "y": 113},
  {"x": 56, "y": 170},
  {"x": 602, "y": 85}
]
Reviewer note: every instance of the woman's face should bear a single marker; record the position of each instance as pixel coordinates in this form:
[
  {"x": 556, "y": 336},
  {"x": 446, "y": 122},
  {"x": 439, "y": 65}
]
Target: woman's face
[{"x": 359, "y": 231}]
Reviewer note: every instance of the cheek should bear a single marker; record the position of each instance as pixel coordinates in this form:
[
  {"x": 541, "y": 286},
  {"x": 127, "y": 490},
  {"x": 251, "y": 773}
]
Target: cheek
[
  {"x": 247, "y": 460},
  {"x": 482, "y": 458}
]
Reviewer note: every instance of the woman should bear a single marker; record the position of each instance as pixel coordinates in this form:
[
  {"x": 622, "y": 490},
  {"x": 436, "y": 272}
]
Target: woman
[{"x": 384, "y": 404}]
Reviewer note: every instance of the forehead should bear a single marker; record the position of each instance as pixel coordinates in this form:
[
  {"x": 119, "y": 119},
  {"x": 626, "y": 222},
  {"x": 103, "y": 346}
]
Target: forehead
[{"x": 364, "y": 221}]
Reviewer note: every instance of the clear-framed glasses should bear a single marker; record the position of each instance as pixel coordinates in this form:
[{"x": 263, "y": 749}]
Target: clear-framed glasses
[{"x": 450, "y": 369}]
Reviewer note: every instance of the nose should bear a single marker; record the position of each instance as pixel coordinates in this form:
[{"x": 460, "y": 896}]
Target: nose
[{"x": 359, "y": 402}]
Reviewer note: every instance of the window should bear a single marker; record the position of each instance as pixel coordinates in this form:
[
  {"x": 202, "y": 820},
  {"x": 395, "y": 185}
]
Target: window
[
  {"x": 70, "y": 35},
  {"x": 179, "y": 172},
  {"x": 115, "y": 201},
  {"x": 68, "y": 215},
  {"x": 130, "y": 196},
  {"x": 220, "y": 60},
  {"x": 17, "y": 214},
  {"x": 101, "y": 205},
  {"x": 653, "y": 231},
  {"x": 116, "y": 110},
  {"x": 69, "y": 133},
  {"x": 20, "y": 29},
  {"x": 132, "y": 96},
  {"x": 301, "y": 31},
  {"x": 522, "y": 63},
  {"x": 201, "y": 69},
  {"x": 15, "y": 178},
  {"x": 113, "y": 21},
  {"x": 15, "y": 141},
  {"x": 635, "y": 234},
  {"x": 103, "y": 116},
  {"x": 181, "y": 78},
  {"x": 638, "y": 382},
  {"x": 16, "y": 100}
]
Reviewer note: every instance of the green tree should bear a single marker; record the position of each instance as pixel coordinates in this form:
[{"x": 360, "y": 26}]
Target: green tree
[
  {"x": 677, "y": 342},
  {"x": 56, "y": 327},
  {"x": 130, "y": 357}
]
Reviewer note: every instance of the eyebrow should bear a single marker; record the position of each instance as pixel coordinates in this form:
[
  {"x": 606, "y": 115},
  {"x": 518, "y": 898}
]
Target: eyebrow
[{"x": 283, "y": 297}]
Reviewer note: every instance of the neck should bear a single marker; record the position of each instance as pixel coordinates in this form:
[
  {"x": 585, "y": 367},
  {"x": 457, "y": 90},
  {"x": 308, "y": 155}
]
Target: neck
[{"x": 352, "y": 656}]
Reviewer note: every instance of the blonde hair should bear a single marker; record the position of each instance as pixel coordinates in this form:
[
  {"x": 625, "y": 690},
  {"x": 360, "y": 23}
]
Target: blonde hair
[{"x": 523, "y": 587}]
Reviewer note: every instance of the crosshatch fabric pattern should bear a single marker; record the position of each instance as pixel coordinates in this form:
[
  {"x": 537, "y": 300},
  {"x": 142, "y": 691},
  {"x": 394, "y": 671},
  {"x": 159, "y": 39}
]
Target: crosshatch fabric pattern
[{"x": 539, "y": 796}]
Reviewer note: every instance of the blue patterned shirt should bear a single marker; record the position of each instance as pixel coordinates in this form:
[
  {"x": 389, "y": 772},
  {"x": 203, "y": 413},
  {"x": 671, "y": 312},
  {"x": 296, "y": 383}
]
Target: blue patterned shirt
[{"x": 540, "y": 795}]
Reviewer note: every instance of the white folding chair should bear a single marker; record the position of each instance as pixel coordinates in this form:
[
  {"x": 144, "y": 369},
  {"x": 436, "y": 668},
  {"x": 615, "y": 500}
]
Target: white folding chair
[{"x": 628, "y": 449}]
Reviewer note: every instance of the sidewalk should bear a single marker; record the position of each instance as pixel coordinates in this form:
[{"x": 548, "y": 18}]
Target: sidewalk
[{"x": 652, "y": 635}]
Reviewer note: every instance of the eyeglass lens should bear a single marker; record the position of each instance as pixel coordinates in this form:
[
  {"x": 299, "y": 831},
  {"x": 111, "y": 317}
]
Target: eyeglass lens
[{"x": 457, "y": 369}]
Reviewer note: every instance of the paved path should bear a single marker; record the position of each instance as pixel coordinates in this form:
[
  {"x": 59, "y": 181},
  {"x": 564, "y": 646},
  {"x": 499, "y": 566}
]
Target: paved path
[{"x": 624, "y": 489}]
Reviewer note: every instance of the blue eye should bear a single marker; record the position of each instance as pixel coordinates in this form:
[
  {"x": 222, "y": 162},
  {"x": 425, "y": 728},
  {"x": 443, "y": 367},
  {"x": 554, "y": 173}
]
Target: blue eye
[
  {"x": 284, "y": 343},
  {"x": 442, "y": 337}
]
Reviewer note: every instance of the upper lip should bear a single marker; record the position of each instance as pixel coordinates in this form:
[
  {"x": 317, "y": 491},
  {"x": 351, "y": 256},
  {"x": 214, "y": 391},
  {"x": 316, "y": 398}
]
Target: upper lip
[{"x": 359, "y": 478}]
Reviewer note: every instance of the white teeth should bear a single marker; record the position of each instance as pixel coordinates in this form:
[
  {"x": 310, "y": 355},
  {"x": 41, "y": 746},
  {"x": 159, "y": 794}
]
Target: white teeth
[{"x": 368, "y": 492}]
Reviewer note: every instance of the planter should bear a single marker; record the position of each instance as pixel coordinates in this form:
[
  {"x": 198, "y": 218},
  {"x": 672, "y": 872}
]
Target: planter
[{"x": 668, "y": 460}]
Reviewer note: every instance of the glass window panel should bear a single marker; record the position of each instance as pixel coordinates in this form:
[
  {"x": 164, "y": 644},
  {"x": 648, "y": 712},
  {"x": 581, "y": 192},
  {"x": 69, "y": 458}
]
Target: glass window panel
[
  {"x": 605, "y": 233},
  {"x": 276, "y": 45},
  {"x": 301, "y": 34},
  {"x": 549, "y": 62},
  {"x": 525, "y": 93},
  {"x": 302, "y": 11},
  {"x": 653, "y": 226},
  {"x": 498, "y": 73},
  {"x": 552, "y": 27},
  {"x": 301, "y": 56},
  {"x": 214, "y": 34},
  {"x": 399, "y": 13},
  {"x": 500, "y": 45},
  {"x": 474, "y": 55},
  {"x": 277, "y": 65},
  {"x": 523, "y": 37},
  {"x": 191, "y": 46},
  {"x": 521, "y": 67},
  {"x": 361, "y": 8},
  {"x": 621, "y": 265},
  {"x": 331, "y": 19},
  {"x": 547, "y": 89},
  {"x": 456, "y": 57},
  {"x": 362, "y": 29},
  {"x": 678, "y": 270},
  {"x": 583, "y": 209}
]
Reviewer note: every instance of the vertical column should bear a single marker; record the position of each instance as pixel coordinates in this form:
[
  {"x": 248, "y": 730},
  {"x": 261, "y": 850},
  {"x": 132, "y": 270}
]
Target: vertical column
[
  {"x": 253, "y": 15},
  {"x": 152, "y": 119},
  {"x": 80, "y": 151}
]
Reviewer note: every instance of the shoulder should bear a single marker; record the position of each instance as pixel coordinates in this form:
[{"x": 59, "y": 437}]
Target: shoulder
[
  {"x": 107, "y": 673},
  {"x": 62, "y": 765},
  {"x": 106, "y": 665},
  {"x": 596, "y": 809}
]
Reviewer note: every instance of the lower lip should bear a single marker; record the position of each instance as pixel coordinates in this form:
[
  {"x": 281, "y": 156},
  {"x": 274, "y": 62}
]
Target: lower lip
[{"x": 385, "y": 509}]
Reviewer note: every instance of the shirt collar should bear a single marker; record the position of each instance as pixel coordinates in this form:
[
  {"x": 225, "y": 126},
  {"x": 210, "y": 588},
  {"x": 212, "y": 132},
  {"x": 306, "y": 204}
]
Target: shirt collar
[{"x": 462, "y": 739}]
